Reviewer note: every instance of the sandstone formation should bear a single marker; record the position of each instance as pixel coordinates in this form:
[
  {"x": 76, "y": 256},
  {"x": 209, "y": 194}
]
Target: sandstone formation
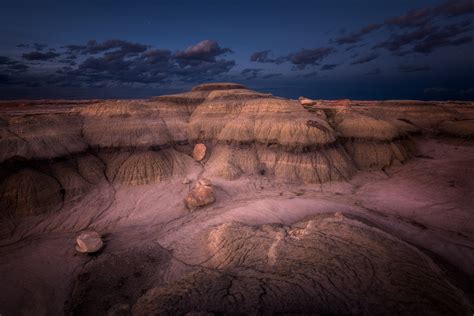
[
  {"x": 297, "y": 206},
  {"x": 40, "y": 136},
  {"x": 124, "y": 124},
  {"x": 374, "y": 143},
  {"x": 29, "y": 192},
  {"x": 331, "y": 265},
  {"x": 464, "y": 128},
  {"x": 238, "y": 131}
]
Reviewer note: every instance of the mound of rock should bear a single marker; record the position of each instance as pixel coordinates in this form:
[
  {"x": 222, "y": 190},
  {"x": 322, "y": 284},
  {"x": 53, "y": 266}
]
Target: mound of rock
[
  {"x": 124, "y": 124},
  {"x": 464, "y": 128},
  {"x": 29, "y": 192},
  {"x": 40, "y": 136},
  {"x": 374, "y": 142},
  {"x": 255, "y": 133},
  {"x": 143, "y": 167},
  {"x": 328, "y": 265},
  {"x": 236, "y": 131}
]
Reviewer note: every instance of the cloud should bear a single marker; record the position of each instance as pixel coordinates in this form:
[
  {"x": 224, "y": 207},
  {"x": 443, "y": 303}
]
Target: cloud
[
  {"x": 117, "y": 63},
  {"x": 421, "y": 19},
  {"x": 156, "y": 56},
  {"x": 374, "y": 72},
  {"x": 426, "y": 39},
  {"x": 418, "y": 17},
  {"x": 365, "y": 59},
  {"x": 310, "y": 74},
  {"x": 444, "y": 36},
  {"x": 39, "y": 46},
  {"x": 250, "y": 73},
  {"x": 301, "y": 58},
  {"x": 423, "y": 16},
  {"x": 205, "y": 51},
  {"x": 262, "y": 57},
  {"x": 329, "y": 66},
  {"x": 272, "y": 75},
  {"x": 5, "y": 60},
  {"x": 114, "y": 47},
  {"x": 413, "y": 68},
  {"x": 309, "y": 57},
  {"x": 18, "y": 67},
  {"x": 11, "y": 65},
  {"x": 357, "y": 36},
  {"x": 455, "y": 8},
  {"x": 37, "y": 55},
  {"x": 397, "y": 41}
]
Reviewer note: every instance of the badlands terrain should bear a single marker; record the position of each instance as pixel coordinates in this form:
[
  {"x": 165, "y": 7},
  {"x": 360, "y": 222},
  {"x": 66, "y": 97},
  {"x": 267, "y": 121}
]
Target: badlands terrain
[{"x": 223, "y": 200}]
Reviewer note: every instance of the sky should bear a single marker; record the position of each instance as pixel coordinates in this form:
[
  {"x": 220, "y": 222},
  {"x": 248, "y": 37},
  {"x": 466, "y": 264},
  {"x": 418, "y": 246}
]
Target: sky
[{"x": 357, "y": 49}]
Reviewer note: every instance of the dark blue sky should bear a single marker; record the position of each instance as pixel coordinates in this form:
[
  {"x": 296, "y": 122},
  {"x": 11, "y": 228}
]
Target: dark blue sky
[{"x": 321, "y": 49}]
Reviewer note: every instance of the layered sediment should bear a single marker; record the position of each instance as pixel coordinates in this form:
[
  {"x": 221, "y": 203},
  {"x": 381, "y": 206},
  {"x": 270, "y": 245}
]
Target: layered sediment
[{"x": 227, "y": 200}]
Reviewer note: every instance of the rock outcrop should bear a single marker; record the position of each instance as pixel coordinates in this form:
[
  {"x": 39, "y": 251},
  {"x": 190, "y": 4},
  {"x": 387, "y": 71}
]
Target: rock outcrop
[
  {"x": 237, "y": 131},
  {"x": 374, "y": 142},
  {"x": 463, "y": 128},
  {"x": 329, "y": 265},
  {"x": 266, "y": 236},
  {"x": 29, "y": 192},
  {"x": 42, "y": 136}
]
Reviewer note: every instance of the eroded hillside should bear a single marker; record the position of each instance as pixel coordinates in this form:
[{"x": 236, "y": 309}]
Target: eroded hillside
[{"x": 333, "y": 207}]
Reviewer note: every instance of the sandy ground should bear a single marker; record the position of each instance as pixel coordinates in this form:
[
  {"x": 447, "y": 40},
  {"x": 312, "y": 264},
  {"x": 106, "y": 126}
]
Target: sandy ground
[{"x": 427, "y": 203}]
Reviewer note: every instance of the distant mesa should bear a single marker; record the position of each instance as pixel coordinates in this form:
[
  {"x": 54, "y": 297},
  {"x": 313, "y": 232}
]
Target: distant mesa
[{"x": 218, "y": 86}]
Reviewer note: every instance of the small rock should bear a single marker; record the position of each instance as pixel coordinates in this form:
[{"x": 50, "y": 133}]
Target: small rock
[
  {"x": 199, "y": 152},
  {"x": 89, "y": 242},
  {"x": 186, "y": 181},
  {"x": 201, "y": 195}
]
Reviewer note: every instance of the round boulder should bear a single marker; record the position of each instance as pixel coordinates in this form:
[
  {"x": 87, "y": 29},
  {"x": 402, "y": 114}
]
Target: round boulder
[
  {"x": 199, "y": 152},
  {"x": 89, "y": 242},
  {"x": 201, "y": 195}
]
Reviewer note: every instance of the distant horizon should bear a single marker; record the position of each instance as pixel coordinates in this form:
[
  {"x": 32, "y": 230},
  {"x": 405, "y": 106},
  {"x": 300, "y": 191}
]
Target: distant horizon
[{"x": 250, "y": 88}]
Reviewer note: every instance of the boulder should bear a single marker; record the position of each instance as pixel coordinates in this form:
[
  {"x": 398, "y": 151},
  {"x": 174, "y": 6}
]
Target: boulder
[
  {"x": 201, "y": 195},
  {"x": 89, "y": 242},
  {"x": 199, "y": 152}
]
